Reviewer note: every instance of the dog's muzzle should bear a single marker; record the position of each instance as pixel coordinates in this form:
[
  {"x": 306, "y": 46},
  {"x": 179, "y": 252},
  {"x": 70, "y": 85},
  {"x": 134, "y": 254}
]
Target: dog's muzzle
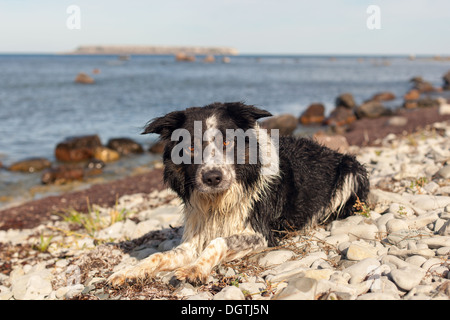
[{"x": 212, "y": 178}]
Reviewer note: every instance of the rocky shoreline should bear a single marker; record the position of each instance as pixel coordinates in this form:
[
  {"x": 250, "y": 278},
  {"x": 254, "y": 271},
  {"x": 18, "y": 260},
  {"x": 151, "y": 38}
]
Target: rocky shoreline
[{"x": 396, "y": 246}]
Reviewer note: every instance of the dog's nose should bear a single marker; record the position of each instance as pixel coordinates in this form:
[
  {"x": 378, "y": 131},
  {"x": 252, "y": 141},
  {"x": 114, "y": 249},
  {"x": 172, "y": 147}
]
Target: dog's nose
[{"x": 212, "y": 178}]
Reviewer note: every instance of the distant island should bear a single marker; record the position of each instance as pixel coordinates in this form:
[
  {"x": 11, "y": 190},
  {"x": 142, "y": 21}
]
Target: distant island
[{"x": 154, "y": 50}]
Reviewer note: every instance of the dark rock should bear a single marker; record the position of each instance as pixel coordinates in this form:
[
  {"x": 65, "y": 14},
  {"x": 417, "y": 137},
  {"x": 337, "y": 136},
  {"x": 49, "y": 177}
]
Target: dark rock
[
  {"x": 340, "y": 116},
  {"x": 345, "y": 100},
  {"x": 314, "y": 114},
  {"x": 62, "y": 174},
  {"x": 30, "y": 165},
  {"x": 285, "y": 123},
  {"x": 383, "y": 96},
  {"x": 446, "y": 79},
  {"x": 75, "y": 149},
  {"x": 422, "y": 85},
  {"x": 157, "y": 147},
  {"x": 125, "y": 146},
  {"x": 372, "y": 109}
]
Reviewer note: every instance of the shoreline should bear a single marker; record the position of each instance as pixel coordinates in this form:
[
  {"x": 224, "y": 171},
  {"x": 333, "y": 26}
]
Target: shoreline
[
  {"x": 396, "y": 247},
  {"x": 30, "y": 213}
]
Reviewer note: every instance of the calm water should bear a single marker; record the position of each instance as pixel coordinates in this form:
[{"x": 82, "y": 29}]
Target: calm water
[{"x": 40, "y": 104}]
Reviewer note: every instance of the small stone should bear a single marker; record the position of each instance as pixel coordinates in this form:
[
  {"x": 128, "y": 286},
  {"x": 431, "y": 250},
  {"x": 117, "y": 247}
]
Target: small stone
[
  {"x": 363, "y": 231},
  {"x": 275, "y": 257},
  {"x": 356, "y": 252},
  {"x": 394, "y": 225},
  {"x": 422, "y": 220},
  {"x": 145, "y": 227},
  {"x": 298, "y": 289},
  {"x": 436, "y": 241},
  {"x": 359, "y": 271},
  {"x": 229, "y": 293},
  {"x": 407, "y": 278},
  {"x": 431, "y": 187},
  {"x": 318, "y": 274},
  {"x": 428, "y": 203},
  {"x": 377, "y": 296},
  {"x": 401, "y": 210},
  {"x": 416, "y": 260},
  {"x": 337, "y": 239},
  {"x": 444, "y": 172},
  {"x": 201, "y": 296},
  {"x": 445, "y": 229}
]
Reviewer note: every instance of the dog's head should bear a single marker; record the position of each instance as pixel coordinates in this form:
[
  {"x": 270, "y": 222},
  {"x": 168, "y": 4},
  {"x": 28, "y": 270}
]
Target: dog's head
[{"x": 208, "y": 149}]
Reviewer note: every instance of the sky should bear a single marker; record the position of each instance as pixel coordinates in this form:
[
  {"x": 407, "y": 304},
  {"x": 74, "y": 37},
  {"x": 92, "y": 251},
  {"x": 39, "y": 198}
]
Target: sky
[{"x": 251, "y": 26}]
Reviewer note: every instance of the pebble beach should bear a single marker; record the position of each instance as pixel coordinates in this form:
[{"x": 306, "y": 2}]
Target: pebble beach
[{"x": 395, "y": 247}]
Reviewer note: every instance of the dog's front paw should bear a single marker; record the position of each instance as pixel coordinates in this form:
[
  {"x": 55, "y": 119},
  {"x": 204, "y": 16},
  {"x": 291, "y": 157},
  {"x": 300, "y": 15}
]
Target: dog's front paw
[
  {"x": 192, "y": 274},
  {"x": 117, "y": 279},
  {"x": 143, "y": 270}
]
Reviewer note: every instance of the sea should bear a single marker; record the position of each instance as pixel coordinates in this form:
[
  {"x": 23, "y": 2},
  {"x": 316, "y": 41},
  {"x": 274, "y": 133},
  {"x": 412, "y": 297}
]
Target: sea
[{"x": 41, "y": 105}]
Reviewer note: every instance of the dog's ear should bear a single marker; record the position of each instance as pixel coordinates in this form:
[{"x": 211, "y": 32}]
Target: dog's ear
[
  {"x": 245, "y": 115},
  {"x": 164, "y": 126}
]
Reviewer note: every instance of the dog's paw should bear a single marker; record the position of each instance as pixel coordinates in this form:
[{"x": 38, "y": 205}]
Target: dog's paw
[
  {"x": 143, "y": 270},
  {"x": 192, "y": 274},
  {"x": 117, "y": 280}
]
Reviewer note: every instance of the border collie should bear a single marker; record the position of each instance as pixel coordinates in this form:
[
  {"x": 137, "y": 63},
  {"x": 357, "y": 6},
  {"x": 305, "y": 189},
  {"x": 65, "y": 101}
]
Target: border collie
[{"x": 235, "y": 202}]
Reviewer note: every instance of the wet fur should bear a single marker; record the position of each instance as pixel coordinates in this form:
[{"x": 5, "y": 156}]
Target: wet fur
[{"x": 312, "y": 184}]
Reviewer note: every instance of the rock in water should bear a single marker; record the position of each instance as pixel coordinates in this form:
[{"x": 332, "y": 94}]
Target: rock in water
[
  {"x": 124, "y": 146},
  {"x": 314, "y": 114},
  {"x": 340, "y": 116},
  {"x": 84, "y": 78},
  {"x": 383, "y": 96},
  {"x": 106, "y": 155},
  {"x": 286, "y": 123},
  {"x": 30, "y": 165},
  {"x": 371, "y": 109},
  {"x": 62, "y": 174},
  {"x": 78, "y": 148},
  {"x": 446, "y": 79},
  {"x": 345, "y": 100}
]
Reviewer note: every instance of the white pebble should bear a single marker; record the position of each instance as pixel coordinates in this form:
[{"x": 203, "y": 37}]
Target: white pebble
[
  {"x": 229, "y": 293},
  {"x": 275, "y": 257},
  {"x": 407, "y": 278}
]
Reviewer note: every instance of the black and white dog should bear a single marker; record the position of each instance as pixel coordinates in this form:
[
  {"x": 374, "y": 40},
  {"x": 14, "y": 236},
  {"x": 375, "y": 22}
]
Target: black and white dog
[{"x": 238, "y": 203}]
